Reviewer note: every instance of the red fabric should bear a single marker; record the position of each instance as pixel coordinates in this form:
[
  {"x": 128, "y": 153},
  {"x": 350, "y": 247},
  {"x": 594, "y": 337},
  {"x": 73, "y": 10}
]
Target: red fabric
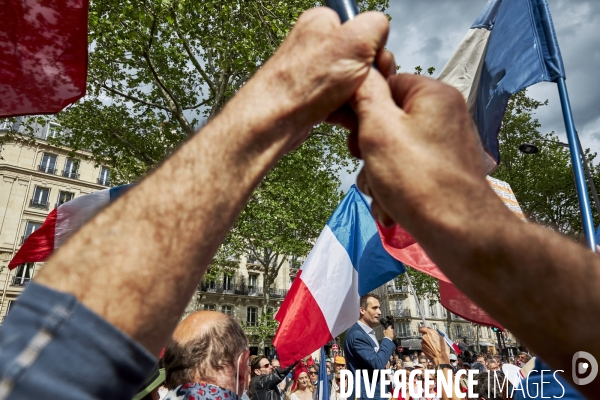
[
  {"x": 302, "y": 328},
  {"x": 457, "y": 302},
  {"x": 43, "y": 67},
  {"x": 404, "y": 248},
  {"x": 297, "y": 371},
  {"x": 39, "y": 245}
]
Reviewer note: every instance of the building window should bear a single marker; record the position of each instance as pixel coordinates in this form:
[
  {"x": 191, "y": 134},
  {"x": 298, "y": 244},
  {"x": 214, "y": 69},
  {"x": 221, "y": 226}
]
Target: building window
[
  {"x": 403, "y": 329},
  {"x": 24, "y": 274},
  {"x": 432, "y": 311},
  {"x": 227, "y": 310},
  {"x": 227, "y": 283},
  {"x": 251, "y": 259},
  {"x": 211, "y": 286},
  {"x": 210, "y": 307},
  {"x": 435, "y": 326},
  {"x": 5, "y": 125},
  {"x": 48, "y": 164},
  {"x": 443, "y": 311},
  {"x": 53, "y": 130},
  {"x": 71, "y": 169},
  {"x": 30, "y": 228},
  {"x": 40, "y": 197},
  {"x": 459, "y": 330},
  {"x": 251, "y": 316},
  {"x": 269, "y": 310},
  {"x": 253, "y": 283},
  {"x": 104, "y": 178},
  {"x": 63, "y": 197}
]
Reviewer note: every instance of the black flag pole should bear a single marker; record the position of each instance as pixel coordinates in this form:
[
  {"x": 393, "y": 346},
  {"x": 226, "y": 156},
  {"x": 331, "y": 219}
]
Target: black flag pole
[{"x": 346, "y": 9}]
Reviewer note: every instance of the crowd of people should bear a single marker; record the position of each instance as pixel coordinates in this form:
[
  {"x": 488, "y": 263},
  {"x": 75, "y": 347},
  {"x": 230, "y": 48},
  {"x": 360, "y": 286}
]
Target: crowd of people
[
  {"x": 195, "y": 360},
  {"x": 197, "y": 357}
]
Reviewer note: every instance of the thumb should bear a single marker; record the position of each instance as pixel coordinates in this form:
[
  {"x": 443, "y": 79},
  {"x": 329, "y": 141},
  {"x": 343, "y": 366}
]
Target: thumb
[{"x": 373, "y": 99}]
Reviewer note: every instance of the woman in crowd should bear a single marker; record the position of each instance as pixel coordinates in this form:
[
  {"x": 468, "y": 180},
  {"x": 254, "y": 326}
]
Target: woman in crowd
[{"x": 301, "y": 389}]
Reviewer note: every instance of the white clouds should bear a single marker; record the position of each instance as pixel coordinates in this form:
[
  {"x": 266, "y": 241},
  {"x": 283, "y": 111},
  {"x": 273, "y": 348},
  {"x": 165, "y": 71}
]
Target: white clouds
[{"x": 427, "y": 32}]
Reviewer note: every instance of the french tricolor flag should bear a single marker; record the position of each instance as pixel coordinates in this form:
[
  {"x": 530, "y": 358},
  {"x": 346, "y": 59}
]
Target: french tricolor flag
[
  {"x": 347, "y": 261},
  {"x": 450, "y": 343},
  {"x": 61, "y": 223},
  {"x": 510, "y": 46}
]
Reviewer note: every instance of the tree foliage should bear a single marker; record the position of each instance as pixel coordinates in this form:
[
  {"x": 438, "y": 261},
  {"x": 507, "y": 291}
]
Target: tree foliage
[
  {"x": 543, "y": 182},
  {"x": 159, "y": 69},
  {"x": 263, "y": 331}
]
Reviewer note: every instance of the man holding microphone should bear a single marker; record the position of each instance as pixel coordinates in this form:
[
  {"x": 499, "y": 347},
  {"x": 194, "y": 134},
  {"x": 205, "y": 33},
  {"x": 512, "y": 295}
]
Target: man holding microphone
[{"x": 363, "y": 351}]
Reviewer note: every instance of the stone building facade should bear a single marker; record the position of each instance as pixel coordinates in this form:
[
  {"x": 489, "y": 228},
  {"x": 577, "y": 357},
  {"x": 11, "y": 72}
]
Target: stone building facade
[
  {"x": 398, "y": 301},
  {"x": 241, "y": 295},
  {"x": 35, "y": 178}
]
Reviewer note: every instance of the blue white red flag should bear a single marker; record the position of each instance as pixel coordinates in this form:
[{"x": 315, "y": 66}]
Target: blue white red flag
[
  {"x": 450, "y": 343},
  {"x": 61, "y": 223},
  {"x": 511, "y": 45},
  {"x": 323, "y": 384},
  {"x": 347, "y": 261}
]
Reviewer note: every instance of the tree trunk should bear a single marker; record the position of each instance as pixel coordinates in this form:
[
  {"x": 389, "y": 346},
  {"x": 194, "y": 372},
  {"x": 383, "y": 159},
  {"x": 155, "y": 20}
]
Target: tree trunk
[{"x": 265, "y": 305}]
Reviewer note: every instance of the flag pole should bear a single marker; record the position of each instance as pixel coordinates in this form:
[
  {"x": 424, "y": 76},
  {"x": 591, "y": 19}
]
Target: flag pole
[
  {"x": 421, "y": 310},
  {"x": 346, "y": 9},
  {"x": 574, "y": 147}
]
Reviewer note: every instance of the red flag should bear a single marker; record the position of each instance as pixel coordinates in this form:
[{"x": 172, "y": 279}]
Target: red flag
[
  {"x": 43, "y": 67},
  {"x": 403, "y": 247}
]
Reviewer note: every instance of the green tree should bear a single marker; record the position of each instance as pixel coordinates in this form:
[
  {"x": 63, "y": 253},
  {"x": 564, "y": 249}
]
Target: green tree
[
  {"x": 543, "y": 182},
  {"x": 264, "y": 330},
  {"x": 159, "y": 69}
]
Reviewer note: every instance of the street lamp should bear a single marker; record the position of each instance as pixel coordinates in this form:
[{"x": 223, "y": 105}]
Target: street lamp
[{"x": 528, "y": 148}]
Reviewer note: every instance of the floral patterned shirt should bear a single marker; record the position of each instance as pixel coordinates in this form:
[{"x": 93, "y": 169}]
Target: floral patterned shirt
[{"x": 200, "y": 391}]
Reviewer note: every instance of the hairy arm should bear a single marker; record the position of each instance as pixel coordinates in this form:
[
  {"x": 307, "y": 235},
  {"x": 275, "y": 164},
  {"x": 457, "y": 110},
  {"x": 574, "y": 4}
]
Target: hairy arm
[
  {"x": 138, "y": 263},
  {"x": 422, "y": 168}
]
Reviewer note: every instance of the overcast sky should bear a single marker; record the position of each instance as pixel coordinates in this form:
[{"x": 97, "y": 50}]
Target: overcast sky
[{"x": 427, "y": 32}]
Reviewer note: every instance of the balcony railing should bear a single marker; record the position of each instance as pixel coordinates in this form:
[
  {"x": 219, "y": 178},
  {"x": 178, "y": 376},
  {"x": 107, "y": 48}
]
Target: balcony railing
[
  {"x": 20, "y": 281},
  {"x": 240, "y": 289},
  {"x": 38, "y": 204},
  {"x": 43, "y": 168},
  {"x": 104, "y": 182},
  {"x": 398, "y": 289},
  {"x": 403, "y": 312},
  {"x": 70, "y": 174}
]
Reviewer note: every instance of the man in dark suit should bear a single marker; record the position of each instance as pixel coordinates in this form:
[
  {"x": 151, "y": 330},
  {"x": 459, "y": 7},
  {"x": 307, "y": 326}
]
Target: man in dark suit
[{"x": 363, "y": 351}]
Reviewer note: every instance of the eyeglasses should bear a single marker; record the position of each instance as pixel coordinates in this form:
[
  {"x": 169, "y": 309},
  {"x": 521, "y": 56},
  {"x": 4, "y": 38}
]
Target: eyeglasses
[
  {"x": 312, "y": 373},
  {"x": 265, "y": 366}
]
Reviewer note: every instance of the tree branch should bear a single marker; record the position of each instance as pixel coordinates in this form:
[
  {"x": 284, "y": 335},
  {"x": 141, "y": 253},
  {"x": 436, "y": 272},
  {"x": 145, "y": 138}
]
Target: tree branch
[
  {"x": 188, "y": 50},
  {"x": 137, "y": 152},
  {"x": 204, "y": 102},
  {"x": 132, "y": 98}
]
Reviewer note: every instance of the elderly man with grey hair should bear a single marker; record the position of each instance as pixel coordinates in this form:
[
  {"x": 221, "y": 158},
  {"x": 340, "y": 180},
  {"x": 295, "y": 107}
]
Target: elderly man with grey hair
[{"x": 206, "y": 358}]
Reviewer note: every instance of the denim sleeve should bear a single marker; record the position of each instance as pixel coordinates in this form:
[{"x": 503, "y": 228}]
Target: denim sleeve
[{"x": 53, "y": 347}]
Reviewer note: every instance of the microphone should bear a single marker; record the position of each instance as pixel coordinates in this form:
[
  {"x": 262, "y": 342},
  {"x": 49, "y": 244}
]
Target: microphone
[{"x": 387, "y": 321}]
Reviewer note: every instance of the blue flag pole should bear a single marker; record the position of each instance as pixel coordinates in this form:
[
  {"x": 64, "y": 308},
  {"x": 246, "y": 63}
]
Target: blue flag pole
[
  {"x": 582, "y": 192},
  {"x": 346, "y": 9},
  {"x": 323, "y": 384}
]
